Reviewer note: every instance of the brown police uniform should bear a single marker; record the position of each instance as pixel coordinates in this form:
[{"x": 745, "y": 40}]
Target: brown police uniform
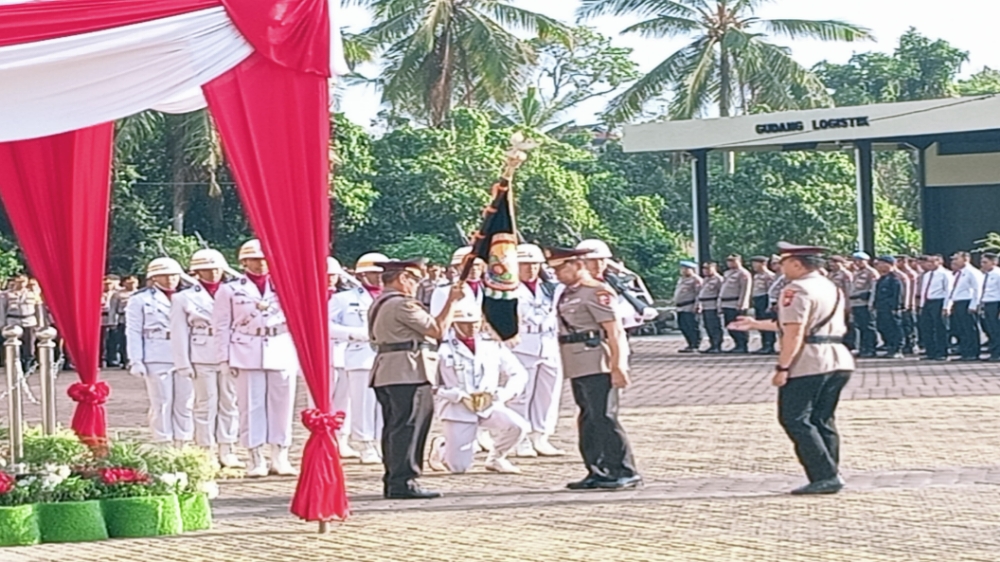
[
  {"x": 734, "y": 300},
  {"x": 708, "y": 300},
  {"x": 23, "y": 308},
  {"x": 686, "y": 301},
  {"x": 759, "y": 291}
]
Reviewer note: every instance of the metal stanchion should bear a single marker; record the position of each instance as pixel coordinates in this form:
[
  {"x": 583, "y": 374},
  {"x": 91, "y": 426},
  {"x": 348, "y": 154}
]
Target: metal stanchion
[
  {"x": 15, "y": 413},
  {"x": 46, "y": 360}
]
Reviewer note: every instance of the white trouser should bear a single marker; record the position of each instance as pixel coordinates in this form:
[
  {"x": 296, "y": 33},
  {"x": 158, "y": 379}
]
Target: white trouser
[
  {"x": 171, "y": 398},
  {"x": 267, "y": 401},
  {"x": 216, "y": 416},
  {"x": 506, "y": 427},
  {"x": 365, "y": 413},
  {"x": 539, "y": 403}
]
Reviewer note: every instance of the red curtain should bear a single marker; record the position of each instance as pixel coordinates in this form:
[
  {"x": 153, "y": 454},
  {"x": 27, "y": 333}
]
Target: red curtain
[
  {"x": 56, "y": 191},
  {"x": 292, "y": 33},
  {"x": 275, "y": 128}
]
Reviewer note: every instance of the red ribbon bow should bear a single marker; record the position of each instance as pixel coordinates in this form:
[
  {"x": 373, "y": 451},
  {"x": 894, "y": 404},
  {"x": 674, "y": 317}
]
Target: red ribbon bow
[
  {"x": 95, "y": 394},
  {"x": 320, "y": 422}
]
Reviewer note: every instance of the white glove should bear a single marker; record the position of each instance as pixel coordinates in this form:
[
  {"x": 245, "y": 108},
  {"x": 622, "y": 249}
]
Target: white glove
[
  {"x": 138, "y": 370},
  {"x": 186, "y": 372},
  {"x": 650, "y": 313}
]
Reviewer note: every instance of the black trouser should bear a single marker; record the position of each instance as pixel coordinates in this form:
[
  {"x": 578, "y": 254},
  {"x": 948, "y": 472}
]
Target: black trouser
[
  {"x": 935, "y": 332},
  {"x": 27, "y": 348},
  {"x": 806, "y": 411},
  {"x": 688, "y": 323},
  {"x": 108, "y": 355},
  {"x": 740, "y": 339},
  {"x": 122, "y": 348},
  {"x": 966, "y": 329},
  {"x": 407, "y": 410},
  {"x": 864, "y": 325},
  {"x": 991, "y": 325},
  {"x": 762, "y": 311},
  {"x": 603, "y": 443},
  {"x": 713, "y": 327},
  {"x": 889, "y": 323},
  {"x": 909, "y": 331}
]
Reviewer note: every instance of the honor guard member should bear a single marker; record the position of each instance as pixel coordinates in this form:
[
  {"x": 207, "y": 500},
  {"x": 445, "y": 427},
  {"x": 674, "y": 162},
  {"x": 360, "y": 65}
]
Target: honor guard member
[
  {"x": 538, "y": 351},
  {"x": 108, "y": 322},
  {"x": 963, "y": 306},
  {"x": 471, "y": 397},
  {"x": 340, "y": 394},
  {"x": 405, "y": 337},
  {"x": 633, "y": 311},
  {"x": 890, "y": 300},
  {"x": 763, "y": 278},
  {"x": 147, "y": 325},
  {"x": 349, "y": 316},
  {"x": 253, "y": 332},
  {"x": 935, "y": 287},
  {"x": 734, "y": 299},
  {"x": 473, "y": 286},
  {"x": 708, "y": 302},
  {"x": 813, "y": 365},
  {"x": 22, "y": 307},
  {"x": 861, "y": 296},
  {"x": 686, "y": 303},
  {"x": 199, "y": 355},
  {"x": 592, "y": 341},
  {"x": 991, "y": 304},
  {"x": 118, "y": 303}
]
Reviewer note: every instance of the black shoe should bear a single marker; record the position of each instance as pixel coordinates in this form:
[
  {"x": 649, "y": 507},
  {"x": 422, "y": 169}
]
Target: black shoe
[
  {"x": 867, "y": 355},
  {"x": 828, "y": 486},
  {"x": 764, "y": 351},
  {"x": 411, "y": 492},
  {"x": 967, "y": 359},
  {"x": 688, "y": 349},
  {"x": 711, "y": 351},
  {"x": 622, "y": 483},
  {"x": 590, "y": 483},
  {"x": 895, "y": 355},
  {"x": 736, "y": 350}
]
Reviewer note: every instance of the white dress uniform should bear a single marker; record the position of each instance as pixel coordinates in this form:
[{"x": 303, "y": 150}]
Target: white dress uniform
[
  {"x": 472, "y": 298},
  {"x": 199, "y": 354},
  {"x": 171, "y": 396},
  {"x": 464, "y": 373}
]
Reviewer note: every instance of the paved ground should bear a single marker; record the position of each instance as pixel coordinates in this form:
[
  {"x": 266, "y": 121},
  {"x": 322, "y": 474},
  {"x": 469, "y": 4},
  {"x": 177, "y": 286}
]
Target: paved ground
[{"x": 921, "y": 455}]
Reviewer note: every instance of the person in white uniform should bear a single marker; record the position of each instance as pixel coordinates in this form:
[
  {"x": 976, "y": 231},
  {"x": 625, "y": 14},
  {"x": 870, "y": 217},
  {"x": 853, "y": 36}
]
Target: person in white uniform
[
  {"x": 147, "y": 329},
  {"x": 538, "y": 351},
  {"x": 253, "y": 334},
  {"x": 473, "y": 288},
  {"x": 340, "y": 396},
  {"x": 470, "y": 397},
  {"x": 349, "y": 326},
  {"x": 199, "y": 356}
]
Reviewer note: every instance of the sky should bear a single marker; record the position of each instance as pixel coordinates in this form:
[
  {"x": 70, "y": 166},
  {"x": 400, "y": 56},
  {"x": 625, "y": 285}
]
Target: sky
[{"x": 967, "y": 24}]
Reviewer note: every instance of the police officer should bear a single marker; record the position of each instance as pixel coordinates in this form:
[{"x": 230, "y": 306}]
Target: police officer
[
  {"x": 147, "y": 325},
  {"x": 20, "y": 306},
  {"x": 118, "y": 303},
  {"x": 109, "y": 322},
  {"x": 406, "y": 338},
  {"x": 708, "y": 302},
  {"x": 734, "y": 299},
  {"x": 252, "y": 331},
  {"x": 907, "y": 316},
  {"x": 633, "y": 311},
  {"x": 890, "y": 301},
  {"x": 763, "y": 278},
  {"x": 199, "y": 356},
  {"x": 537, "y": 350},
  {"x": 349, "y": 313},
  {"x": 861, "y": 296},
  {"x": 813, "y": 365},
  {"x": 591, "y": 339},
  {"x": 686, "y": 302}
]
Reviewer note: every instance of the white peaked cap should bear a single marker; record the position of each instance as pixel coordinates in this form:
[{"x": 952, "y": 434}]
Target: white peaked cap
[
  {"x": 598, "y": 249},
  {"x": 529, "y": 253},
  {"x": 459, "y": 255},
  {"x": 208, "y": 259},
  {"x": 366, "y": 263},
  {"x": 251, "y": 249},
  {"x": 467, "y": 311},
  {"x": 163, "y": 266},
  {"x": 333, "y": 266}
]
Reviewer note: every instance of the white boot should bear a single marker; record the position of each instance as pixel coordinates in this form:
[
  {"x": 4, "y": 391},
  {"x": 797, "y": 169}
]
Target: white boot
[
  {"x": 178, "y": 444},
  {"x": 279, "y": 462},
  {"x": 525, "y": 450},
  {"x": 369, "y": 454},
  {"x": 435, "y": 460},
  {"x": 501, "y": 465},
  {"x": 228, "y": 458},
  {"x": 540, "y": 441},
  {"x": 257, "y": 467},
  {"x": 346, "y": 451}
]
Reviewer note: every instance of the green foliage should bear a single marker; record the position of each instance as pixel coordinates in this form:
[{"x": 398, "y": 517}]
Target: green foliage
[
  {"x": 75, "y": 488},
  {"x": 63, "y": 448},
  {"x": 71, "y": 522},
  {"x": 984, "y": 82},
  {"x": 424, "y": 245},
  {"x": 19, "y": 525}
]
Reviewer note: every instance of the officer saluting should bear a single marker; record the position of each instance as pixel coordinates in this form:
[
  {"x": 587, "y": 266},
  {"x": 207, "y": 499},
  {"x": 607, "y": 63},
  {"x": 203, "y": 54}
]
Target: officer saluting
[
  {"x": 813, "y": 366},
  {"x": 593, "y": 349},
  {"x": 405, "y": 337}
]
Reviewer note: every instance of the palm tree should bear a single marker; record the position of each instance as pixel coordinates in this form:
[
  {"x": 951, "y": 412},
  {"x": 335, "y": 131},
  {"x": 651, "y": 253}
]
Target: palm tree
[
  {"x": 729, "y": 61},
  {"x": 439, "y": 53}
]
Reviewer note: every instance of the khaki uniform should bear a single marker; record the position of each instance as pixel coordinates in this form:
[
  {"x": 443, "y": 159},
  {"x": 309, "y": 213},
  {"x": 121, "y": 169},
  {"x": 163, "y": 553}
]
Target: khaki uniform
[
  {"x": 843, "y": 280},
  {"x": 759, "y": 297},
  {"x": 118, "y": 303},
  {"x": 23, "y": 308},
  {"x": 810, "y": 301},
  {"x": 686, "y": 301},
  {"x": 734, "y": 300},
  {"x": 708, "y": 300},
  {"x": 582, "y": 310},
  {"x": 862, "y": 295}
]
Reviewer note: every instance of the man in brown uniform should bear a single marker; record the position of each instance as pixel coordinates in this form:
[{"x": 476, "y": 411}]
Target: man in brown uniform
[
  {"x": 592, "y": 345},
  {"x": 734, "y": 299},
  {"x": 763, "y": 278},
  {"x": 708, "y": 302},
  {"x": 405, "y": 337},
  {"x": 686, "y": 301},
  {"x": 813, "y": 366}
]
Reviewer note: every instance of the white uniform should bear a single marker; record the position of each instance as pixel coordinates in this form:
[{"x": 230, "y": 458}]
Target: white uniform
[
  {"x": 349, "y": 327},
  {"x": 197, "y": 350},
  {"x": 440, "y": 296},
  {"x": 253, "y": 335},
  {"x": 538, "y": 352},
  {"x": 463, "y": 373},
  {"x": 171, "y": 396}
]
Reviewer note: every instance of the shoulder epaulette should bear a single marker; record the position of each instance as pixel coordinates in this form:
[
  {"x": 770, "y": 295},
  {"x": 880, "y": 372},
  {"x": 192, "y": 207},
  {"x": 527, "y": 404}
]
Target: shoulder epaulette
[{"x": 593, "y": 283}]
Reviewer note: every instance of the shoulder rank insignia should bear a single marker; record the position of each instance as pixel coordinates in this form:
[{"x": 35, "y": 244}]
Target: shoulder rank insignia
[
  {"x": 787, "y": 297},
  {"x": 604, "y": 297}
]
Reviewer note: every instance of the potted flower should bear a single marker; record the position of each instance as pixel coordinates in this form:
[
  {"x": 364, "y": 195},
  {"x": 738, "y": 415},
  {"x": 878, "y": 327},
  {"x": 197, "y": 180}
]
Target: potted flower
[
  {"x": 191, "y": 473},
  {"x": 18, "y": 518},
  {"x": 136, "y": 504},
  {"x": 69, "y": 510}
]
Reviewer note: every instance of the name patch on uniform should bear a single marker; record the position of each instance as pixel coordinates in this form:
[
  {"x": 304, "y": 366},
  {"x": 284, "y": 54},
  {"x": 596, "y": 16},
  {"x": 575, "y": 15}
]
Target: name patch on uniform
[
  {"x": 604, "y": 298},
  {"x": 787, "y": 297}
]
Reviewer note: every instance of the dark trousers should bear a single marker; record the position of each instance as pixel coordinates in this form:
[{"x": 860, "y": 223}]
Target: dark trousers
[
  {"x": 713, "y": 327},
  {"x": 27, "y": 348},
  {"x": 407, "y": 410},
  {"x": 108, "y": 348},
  {"x": 806, "y": 411},
  {"x": 740, "y": 339},
  {"x": 603, "y": 443},
  {"x": 889, "y": 323},
  {"x": 863, "y": 323},
  {"x": 991, "y": 325},
  {"x": 762, "y": 311},
  {"x": 688, "y": 323},
  {"x": 909, "y": 335},
  {"x": 966, "y": 329},
  {"x": 122, "y": 349},
  {"x": 935, "y": 332}
]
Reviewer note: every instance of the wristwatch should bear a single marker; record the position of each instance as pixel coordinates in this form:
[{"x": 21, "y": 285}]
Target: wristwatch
[{"x": 780, "y": 369}]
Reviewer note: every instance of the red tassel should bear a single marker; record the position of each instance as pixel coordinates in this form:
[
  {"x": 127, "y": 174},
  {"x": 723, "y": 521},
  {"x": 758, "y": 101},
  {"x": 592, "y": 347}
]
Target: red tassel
[{"x": 321, "y": 493}]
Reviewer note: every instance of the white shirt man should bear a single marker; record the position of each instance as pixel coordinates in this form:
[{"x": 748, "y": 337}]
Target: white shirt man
[
  {"x": 968, "y": 287},
  {"x": 349, "y": 327},
  {"x": 963, "y": 304},
  {"x": 470, "y": 397},
  {"x": 199, "y": 356},
  {"x": 473, "y": 287},
  {"x": 147, "y": 328},
  {"x": 254, "y": 338},
  {"x": 991, "y": 304},
  {"x": 538, "y": 352},
  {"x": 935, "y": 287}
]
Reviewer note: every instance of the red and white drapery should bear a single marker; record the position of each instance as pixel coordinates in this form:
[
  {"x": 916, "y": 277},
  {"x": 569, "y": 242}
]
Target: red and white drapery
[{"x": 71, "y": 67}]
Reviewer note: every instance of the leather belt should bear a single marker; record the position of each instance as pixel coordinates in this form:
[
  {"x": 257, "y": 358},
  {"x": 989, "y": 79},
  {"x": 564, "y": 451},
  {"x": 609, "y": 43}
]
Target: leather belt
[
  {"x": 686, "y": 303},
  {"x": 730, "y": 299},
  {"x": 708, "y": 299},
  {"x": 579, "y": 337},
  {"x": 404, "y": 346},
  {"x": 265, "y": 332},
  {"x": 824, "y": 340},
  {"x": 861, "y": 296},
  {"x": 156, "y": 334}
]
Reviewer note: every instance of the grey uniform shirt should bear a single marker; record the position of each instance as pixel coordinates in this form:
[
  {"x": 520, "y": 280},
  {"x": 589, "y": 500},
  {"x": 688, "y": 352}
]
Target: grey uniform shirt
[
  {"x": 843, "y": 280},
  {"x": 762, "y": 283},
  {"x": 735, "y": 290},
  {"x": 708, "y": 297},
  {"x": 20, "y": 308},
  {"x": 396, "y": 318},
  {"x": 863, "y": 287},
  {"x": 810, "y": 301},
  {"x": 686, "y": 293},
  {"x": 584, "y": 308}
]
